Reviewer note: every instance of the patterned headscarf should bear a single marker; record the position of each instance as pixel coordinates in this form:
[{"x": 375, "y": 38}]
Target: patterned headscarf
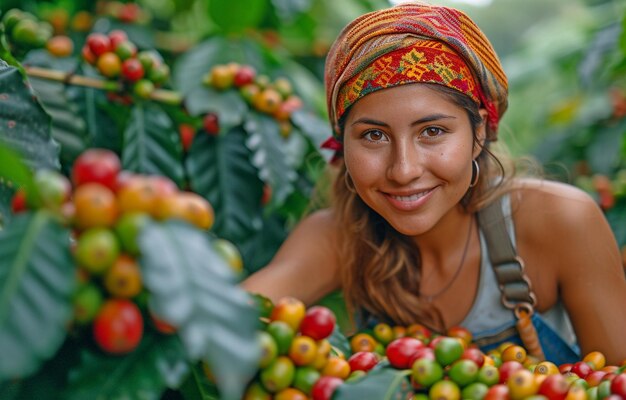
[{"x": 408, "y": 43}]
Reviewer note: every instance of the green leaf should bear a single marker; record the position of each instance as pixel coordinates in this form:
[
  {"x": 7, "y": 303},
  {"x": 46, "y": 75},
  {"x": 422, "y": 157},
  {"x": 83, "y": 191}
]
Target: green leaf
[
  {"x": 259, "y": 247},
  {"x": 197, "y": 386},
  {"x": 228, "y": 105},
  {"x": 68, "y": 128},
  {"x": 13, "y": 174},
  {"x": 102, "y": 129},
  {"x": 603, "y": 151},
  {"x": 158, "y": 363},
  {"x": 336, "y": 302},
  {"x": 24, "y": 125},
  {"x": 191, "y": 66},
  {"x": 316, "y": 129},
  {"x": 194, "y": 289},
  {"x": 6, "y": 195},
  {"x": 615, "y": 216},
  {"x": 269, "y": 155},
  {"x": 381, "y": 384},
  {"x": 152, "y": 144},
  {"x": 37, "y": 279},
  {"x": 236, "y": 16},
  {"x": 219, "y": 169},
  {"x": 51, "y": 379},
  {"x": 13, "y": 170},
  {"x": 339, "y": 341},
  {"x": 68, "y": 124}
]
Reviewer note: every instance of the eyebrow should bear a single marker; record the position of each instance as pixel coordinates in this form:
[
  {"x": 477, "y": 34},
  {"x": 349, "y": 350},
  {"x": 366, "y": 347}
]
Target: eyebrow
[{"x": 428, "y": 118}]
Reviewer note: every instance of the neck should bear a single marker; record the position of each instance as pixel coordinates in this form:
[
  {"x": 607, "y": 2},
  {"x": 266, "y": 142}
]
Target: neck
[
  {"x": 447, "y": 238},
  {"x": 444, "y": 274}
]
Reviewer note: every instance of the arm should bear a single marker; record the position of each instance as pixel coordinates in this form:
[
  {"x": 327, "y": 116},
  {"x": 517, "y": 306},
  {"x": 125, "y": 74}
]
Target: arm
[
  {"x": 579, "y": 261},
  {"x": 306, "y": 266}
]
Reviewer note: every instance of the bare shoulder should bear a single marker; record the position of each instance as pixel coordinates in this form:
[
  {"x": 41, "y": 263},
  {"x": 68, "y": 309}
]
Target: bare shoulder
[
  {"x": 561, "y": 230},
  {"x": 323, "y": 219},
  {"x": 544, "y": 202}
]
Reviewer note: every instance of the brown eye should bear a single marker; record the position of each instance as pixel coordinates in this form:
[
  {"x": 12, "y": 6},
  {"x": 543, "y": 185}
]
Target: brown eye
[
  {"x": 432, "y": 131},
  {"x": 374, "y": 135}
]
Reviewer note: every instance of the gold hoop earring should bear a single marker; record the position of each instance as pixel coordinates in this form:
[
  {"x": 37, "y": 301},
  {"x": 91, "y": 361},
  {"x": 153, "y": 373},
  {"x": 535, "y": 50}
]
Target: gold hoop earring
[
  {"x": 349, "y": 184},
  {"x": 475, "y": 173}
]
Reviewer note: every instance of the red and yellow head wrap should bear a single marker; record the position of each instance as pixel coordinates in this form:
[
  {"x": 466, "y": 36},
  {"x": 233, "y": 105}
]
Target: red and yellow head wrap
[{"x": 411, "y": 43}]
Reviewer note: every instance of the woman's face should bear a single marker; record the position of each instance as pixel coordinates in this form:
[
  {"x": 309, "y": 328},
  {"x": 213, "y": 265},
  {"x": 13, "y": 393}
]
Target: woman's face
[{"x": 409, "y": 151}]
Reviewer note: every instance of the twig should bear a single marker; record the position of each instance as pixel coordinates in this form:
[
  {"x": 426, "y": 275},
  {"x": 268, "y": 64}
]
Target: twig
[{"x": 161, "y": 95}]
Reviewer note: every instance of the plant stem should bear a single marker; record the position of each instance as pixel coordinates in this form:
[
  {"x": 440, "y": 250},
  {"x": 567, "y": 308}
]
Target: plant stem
[{"x": 164, "y": 96}]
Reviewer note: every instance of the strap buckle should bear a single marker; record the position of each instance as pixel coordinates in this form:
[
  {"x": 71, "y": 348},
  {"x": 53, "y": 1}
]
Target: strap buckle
[{"x": 514, "y": 284}]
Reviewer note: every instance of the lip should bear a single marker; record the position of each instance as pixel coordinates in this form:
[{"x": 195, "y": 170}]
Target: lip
[{"x": 409, "y": 201}]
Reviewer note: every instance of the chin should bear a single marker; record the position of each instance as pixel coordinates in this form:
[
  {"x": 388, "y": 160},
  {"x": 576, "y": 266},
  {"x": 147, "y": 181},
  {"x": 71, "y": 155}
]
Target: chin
[{"x": 410, "y": 228}]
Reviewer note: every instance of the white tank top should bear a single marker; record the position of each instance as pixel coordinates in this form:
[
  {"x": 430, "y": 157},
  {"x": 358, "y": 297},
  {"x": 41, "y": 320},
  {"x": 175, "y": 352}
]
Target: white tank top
[{"x": 488, "y": 316}]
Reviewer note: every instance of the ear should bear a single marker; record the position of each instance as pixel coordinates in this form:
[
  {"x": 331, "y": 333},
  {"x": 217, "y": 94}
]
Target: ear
[{"x": 481, "y": 133}]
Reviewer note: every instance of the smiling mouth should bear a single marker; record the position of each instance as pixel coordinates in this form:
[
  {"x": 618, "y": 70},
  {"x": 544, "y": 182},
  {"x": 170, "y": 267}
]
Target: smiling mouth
[{"x": 412, "y": 197}]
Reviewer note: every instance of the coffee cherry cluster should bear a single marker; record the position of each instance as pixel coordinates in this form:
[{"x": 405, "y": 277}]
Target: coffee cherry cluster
[
  {"x": 117, "y": 57},
  {"x": 452, "y": 367},
  {"x": 24, "y": 31},
  {"x": 106, "y": 208},
  {"x": 297, "y": 360},
  {"x": 275, "y": 98}
]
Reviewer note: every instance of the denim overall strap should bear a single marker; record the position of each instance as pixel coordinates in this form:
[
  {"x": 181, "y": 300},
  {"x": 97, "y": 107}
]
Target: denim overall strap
[{"x": 517, "y": 293}]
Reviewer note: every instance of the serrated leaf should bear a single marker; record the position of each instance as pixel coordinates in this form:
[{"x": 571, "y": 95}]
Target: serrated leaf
[
  {"x": 37, "y": 278},
  {"x": 219, "y": 169},
  {"x": 194, "y": 289},
  {"x": 157, "y": 364},
  {"x": 24, "y": 125},
  {"x": 269, "y": 155},
  {"x": 67, "y": 128},
  {"x": 105, "y": 120},
  {"x": 152, "y": 144},
  {"x": 381, "y": 384},
  {"x": 228, "y": 105}
]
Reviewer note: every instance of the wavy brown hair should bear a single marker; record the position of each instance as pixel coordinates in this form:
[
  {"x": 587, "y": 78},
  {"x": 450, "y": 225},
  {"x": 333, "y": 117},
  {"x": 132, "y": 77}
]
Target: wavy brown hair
[{"x": 381, "y": 268}]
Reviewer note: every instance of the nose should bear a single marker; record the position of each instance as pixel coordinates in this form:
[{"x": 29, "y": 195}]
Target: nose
[{"x": 406, "y": 163}]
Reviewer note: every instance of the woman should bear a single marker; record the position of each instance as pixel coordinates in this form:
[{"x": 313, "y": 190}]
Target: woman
[{"x": 426, "y": 224}]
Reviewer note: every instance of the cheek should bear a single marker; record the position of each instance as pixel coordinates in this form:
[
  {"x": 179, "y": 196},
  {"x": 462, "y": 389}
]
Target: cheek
[
  {"x": 363, "y": 167},
  {"x": 454, "y": 165}
]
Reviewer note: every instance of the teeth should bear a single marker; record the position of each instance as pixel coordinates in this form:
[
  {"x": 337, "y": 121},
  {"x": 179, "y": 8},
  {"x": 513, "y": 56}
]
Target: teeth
[{"x": 412, "y": 197}]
